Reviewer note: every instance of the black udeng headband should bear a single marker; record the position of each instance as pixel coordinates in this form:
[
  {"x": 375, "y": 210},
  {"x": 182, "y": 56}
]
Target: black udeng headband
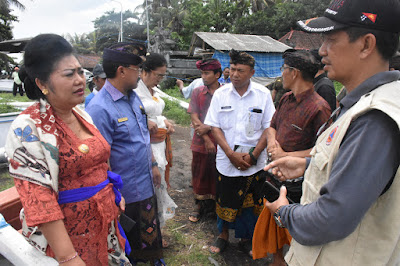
[{"x": 300, "y": 60}]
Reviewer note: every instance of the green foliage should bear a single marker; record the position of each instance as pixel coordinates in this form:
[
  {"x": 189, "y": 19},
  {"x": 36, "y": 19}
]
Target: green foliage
[
  {"x": 84, "y": 43},
  {"x": 176, "y": 113},
  {"x": 7, "y": 108},
  {"x": 107, "y": 28},
  {"x": 263, "y": 17},
  {"x": 168, "y": 83},
  {"x": 6, "y": 180},
  {"x": 175, "y": 92},
  {"x": 6, "y": 20},
  {"x": 338, "y": 86}
]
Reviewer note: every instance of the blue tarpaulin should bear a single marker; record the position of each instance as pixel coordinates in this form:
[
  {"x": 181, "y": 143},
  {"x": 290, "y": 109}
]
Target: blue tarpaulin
[{"x": 267, "y": 64}]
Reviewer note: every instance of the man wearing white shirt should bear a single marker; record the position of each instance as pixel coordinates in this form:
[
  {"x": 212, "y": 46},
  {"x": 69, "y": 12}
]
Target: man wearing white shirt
[
  {"x": 187, "y": 91},
  {"x": 239, "y": 114}
]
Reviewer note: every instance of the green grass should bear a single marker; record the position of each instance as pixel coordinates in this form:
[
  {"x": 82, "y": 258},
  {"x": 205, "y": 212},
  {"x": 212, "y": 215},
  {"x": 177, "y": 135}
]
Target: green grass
[
  {"x": 176, "y": 113},
  {"x": 187, "y": 248},
  {"x": 6, "y": 181},
  {"x": 7, "y": 108},
  {"x": 175, "y": 92},
  {"x": 6, "y": 97}
]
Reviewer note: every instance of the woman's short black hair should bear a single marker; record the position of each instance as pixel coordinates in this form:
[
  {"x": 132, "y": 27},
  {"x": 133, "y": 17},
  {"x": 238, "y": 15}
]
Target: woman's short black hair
[
  {"x": 42, "y": 54},
  {"x": 153, "y": 61}
]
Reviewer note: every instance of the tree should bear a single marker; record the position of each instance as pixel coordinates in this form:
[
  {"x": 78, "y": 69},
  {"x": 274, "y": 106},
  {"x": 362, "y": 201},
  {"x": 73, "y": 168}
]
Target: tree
[
  {"x": 279, "y": 18},
  {"x": 7, "y": 3},
  {"x": 108, "y": 25},
  {"x": 84, "y": 43}
]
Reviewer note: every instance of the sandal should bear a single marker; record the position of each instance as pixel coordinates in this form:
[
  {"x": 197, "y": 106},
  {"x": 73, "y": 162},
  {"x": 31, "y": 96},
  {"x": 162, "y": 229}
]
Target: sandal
[
  {"x": 194, "y": 217},
  {"x": 220, "y": 243},
  {"x": 246, "y": 247}
]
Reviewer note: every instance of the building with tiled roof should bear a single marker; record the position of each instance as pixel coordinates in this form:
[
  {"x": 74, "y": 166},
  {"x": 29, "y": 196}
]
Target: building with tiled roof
[
  {"x": 88, "y": 61},
  {"x": 302, "y": 40}
]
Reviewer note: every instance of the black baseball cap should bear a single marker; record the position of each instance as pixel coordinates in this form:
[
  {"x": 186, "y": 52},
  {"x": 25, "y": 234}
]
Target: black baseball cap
[{"x": 380, "y": 15}]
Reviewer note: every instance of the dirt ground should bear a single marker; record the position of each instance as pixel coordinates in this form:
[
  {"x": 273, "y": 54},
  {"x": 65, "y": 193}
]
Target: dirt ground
[{"x": 181, "y": 192}]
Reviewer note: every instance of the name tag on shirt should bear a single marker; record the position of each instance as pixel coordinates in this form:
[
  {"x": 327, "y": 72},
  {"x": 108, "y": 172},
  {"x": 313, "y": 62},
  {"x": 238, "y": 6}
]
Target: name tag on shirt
[
  {"x": 123, "y": 119},
  {"x": 226, "y": 107}
]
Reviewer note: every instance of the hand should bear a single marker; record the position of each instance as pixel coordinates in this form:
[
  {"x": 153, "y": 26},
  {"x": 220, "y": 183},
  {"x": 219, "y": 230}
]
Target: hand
[
  {"x": 122, "y": 204},
  {"x": 281, "y": 201},
  {"x": 277, "y": 152},
  {"x": 201, "y": 129},
  {"x": 169, "y": 126},
  {"x": 271, "y": 146},
  {"x": 210, "y": 147},
  {"x": 156, "y": 176},
  {"x": 237, "y": 160},
  {"x": 180, "y": 84},
  {"x": 247, "y": 158},
  {"x": 152, "y": 127},
  {"x": 287, "y": 167}
]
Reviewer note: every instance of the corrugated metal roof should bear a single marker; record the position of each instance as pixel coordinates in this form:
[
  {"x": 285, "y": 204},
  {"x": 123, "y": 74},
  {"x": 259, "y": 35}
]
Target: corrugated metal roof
[{"x": 240, "y": 42}]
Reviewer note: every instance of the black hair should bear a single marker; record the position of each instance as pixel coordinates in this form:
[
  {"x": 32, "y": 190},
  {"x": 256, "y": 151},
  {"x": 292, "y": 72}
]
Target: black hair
[
  {"x": 110, "y": 68},
  {"x": 394, "y": 62},
  {"x": 302, "y": 60},
  {"x": 42, "y": 54},
  {"x": 226, "y": 68},
  {"x": 387, "y": 43},
  {"x": 153, "y": 61},
  {"x": 241, "y": 58},
  {"x": 318, "y": 59}
]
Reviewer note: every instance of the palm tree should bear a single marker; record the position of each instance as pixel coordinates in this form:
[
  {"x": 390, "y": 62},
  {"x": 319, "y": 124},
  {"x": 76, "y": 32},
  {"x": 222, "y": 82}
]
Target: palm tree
[{"x": 7, "y": 3}]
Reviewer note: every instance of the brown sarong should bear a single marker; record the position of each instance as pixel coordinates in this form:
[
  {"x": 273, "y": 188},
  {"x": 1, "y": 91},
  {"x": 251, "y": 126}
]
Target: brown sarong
[
  {"x": 204, "y": 175},
  {"x": 161, "y": 136}
]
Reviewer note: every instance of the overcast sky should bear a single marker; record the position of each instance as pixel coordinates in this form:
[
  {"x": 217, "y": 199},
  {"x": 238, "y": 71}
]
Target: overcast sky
[{"x": 63, "y": 16}]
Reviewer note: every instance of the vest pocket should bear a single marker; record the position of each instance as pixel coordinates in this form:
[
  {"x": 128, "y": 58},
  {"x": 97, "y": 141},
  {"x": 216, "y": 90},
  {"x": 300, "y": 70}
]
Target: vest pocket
[{"x": 320, "y": 160}]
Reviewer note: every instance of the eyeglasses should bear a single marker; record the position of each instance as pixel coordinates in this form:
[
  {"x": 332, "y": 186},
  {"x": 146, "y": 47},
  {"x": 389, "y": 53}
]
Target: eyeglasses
[
  {"x": 133, "y": 68},
  {"x": 285, "y": 67},
  {"x": 158, "y": 74}
]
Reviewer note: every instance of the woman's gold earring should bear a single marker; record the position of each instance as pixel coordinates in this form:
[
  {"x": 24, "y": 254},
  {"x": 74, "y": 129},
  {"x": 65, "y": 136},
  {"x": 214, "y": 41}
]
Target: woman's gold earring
[{"x": 45, "y": 91}]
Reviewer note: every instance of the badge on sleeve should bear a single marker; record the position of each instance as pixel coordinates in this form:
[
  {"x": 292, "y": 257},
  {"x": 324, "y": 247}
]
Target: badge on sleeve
[
  {"x": 123, "y": 119},
  {"x": 331, "y": 136}
]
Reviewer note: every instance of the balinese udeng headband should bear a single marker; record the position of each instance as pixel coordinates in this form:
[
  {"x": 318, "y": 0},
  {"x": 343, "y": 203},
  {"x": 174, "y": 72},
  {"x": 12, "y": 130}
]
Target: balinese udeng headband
[
  {"x": 208, "y": 65},
  {"x": 294, "y": 58},
  {"x": 125, "y": 53}
]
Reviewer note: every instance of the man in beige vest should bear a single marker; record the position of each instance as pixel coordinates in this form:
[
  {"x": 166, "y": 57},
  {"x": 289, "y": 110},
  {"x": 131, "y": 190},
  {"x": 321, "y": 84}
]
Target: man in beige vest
[{"x": 350, "y": 209}]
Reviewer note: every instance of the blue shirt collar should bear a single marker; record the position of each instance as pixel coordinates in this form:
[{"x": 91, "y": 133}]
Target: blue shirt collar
[{"x": 114, "y": 92}]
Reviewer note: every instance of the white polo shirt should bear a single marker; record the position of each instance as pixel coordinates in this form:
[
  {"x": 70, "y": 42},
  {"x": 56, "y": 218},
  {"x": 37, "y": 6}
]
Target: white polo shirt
[{"x": 242, "y": 119}]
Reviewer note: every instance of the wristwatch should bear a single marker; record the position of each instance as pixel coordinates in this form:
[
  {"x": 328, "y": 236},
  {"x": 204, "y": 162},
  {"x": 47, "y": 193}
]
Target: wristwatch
[
  {"x": 154, "y": 164},
  {"x": 277, "y": 217}
]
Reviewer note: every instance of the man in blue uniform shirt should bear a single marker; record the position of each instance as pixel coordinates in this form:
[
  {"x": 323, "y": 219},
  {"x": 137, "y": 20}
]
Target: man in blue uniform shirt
[{"x": 119, "y": 115}]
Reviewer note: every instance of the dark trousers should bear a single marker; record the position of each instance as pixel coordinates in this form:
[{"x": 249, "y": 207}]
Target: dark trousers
[{"x": 18, "y": 88}]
